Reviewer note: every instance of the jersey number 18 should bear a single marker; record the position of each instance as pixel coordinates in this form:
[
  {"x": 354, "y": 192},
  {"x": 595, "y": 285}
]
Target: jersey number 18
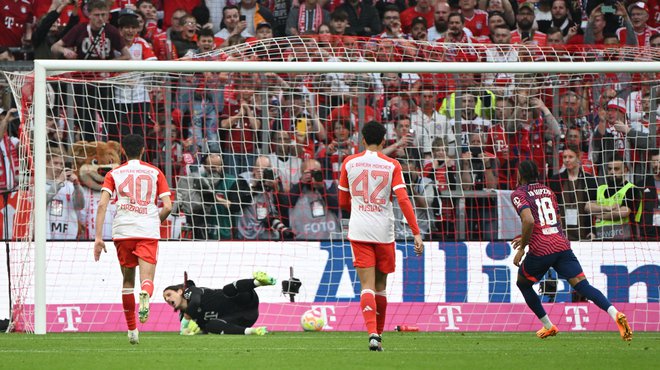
[{"x": 547, "y": 214}]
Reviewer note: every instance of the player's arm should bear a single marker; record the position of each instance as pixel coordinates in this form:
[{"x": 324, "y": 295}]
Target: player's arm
[
  {"x": 399, "y": 187},
  {"x": 344, "y": 192},
  {"x": 527, "y": 228},
  {"x": 99, "y": 244},
  {"x": 167, "y": 208}
]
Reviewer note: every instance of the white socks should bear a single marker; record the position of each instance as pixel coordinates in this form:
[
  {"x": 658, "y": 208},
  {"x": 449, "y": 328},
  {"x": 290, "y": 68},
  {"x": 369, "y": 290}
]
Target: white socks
[
  {"x": 612, "y": 312},
  {"x": 546, "y": 322}
]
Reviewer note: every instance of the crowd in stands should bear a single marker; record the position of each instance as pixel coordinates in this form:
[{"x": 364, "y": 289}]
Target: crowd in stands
[{"x": 257, "y": 157}]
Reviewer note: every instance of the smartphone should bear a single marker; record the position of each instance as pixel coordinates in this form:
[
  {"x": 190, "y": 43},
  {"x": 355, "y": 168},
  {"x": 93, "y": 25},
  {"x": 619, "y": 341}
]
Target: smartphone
[
  {"x": 241, "y": 18},
  {"x": 525, "y": 36}
]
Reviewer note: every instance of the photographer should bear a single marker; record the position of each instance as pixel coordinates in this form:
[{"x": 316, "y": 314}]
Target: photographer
[
  {"x": 254, "y": 200},
  {"x": 206, "y": 209},
  {"x": 314, "y": 204},
  {"x": 64, "y": 197}
]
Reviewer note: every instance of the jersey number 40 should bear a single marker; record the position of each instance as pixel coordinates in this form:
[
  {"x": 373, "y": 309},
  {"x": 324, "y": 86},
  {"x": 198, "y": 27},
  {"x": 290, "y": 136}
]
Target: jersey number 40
[{"x": 132, "y": 187}]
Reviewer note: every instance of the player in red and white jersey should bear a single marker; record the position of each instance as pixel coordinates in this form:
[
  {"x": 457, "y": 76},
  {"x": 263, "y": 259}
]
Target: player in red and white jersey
[
  {"x": 136, "y": 187},
  {"x": 16, "y": 25},
  {"x": 366, "y": 184},
  {"x": 548, "y": 247}
]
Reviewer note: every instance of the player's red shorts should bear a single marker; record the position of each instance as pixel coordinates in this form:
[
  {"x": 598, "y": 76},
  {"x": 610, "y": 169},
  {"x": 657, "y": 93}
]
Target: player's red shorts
[
  {"x": 367, "y": 254},
  {"x": 129, "y": 250}
]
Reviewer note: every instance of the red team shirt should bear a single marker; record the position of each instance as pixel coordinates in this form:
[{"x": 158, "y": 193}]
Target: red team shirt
[
  {"x": 15, "y": 15},
  {"x": 137, "y": 187},
  {"x": 371, "y": 178},
  {"x": 547, "y": 235}
]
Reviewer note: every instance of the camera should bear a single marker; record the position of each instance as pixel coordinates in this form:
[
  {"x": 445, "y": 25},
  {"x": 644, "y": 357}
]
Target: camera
[
  {"x": 285, "y": 232},
  {"x": 609, "y": 6},
  {"x": 317, "y": 175},
  {"x": 268, "y": 174}
]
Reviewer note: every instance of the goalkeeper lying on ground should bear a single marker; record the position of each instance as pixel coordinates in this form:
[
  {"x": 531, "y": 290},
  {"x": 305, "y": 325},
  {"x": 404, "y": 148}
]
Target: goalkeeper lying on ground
[{"x": 230, "y": 310}]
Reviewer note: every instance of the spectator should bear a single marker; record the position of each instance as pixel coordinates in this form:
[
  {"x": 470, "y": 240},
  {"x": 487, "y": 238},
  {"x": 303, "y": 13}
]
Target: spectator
[
  {"x": 16, "y": 26},
  {"x": 163, "y": 45},
  {"x": 440, "y": 21},
  {"x": 574, "y": 140},
  {"x": 338, "y": 23},
  {"x": 49, "y": 31},
  {"x": 341, "y": 146},
  {"x": 200, "y": 199},
  {"x": 617, "y": 203},
  {"x": 150, "y": 13},
  {"x": 652, "y": 229},
  {"x": 253, "y": 199},
  {"x": 423, "y": 9},
  {"x": 64, "y": 197},
  {"x": 431, "y": 124},
  {"x": 561, "y": 18},
  {"x": 476, "y": 20},
  {"x": 502, "y": 51},
  {"x": 424, "y": 194},
  {"x": 184, "y": 41},
  {"x": 608, "y": 142},
  {"x": 239, "y": 126},
  {"x": 9, "y": 144},
  {"x": 481, "y": 213},
  {"x": 501, "y": 8},
  {"x": 306, "y": 17},
  {"x": 362, "y": 17},
  {"x": 455, "y": 30},
  {"x": 469, "y": 113},
  {"x": 132, "y": 100},
  {"x": 392, "y": 24},
  {"x": 404, "y": 146},
  {"x": 202, "y": 97},
  {"x": 594, "y": 34},
  {"x": 574, "y": 189},
  {"x": 495, "y": 20},
  {"x": 525, "y": 33},
  {"x": 96, "y": 40},
  {"x": 638, "y": 12},
  {"x": 284, "y": 158},
  {"x": 418, "y": 29},
  {"x": 314, "y": 204},
  {"x": 254, "y": 15},
  {"x": 264, "y": 31},
  {"x": 280, "y": 10}
]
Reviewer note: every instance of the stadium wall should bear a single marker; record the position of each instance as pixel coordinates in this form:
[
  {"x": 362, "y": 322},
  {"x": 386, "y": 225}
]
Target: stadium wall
[{"x": 455, "y": 286}]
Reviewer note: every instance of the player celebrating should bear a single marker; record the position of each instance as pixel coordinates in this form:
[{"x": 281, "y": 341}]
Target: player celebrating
[
  {"x": 367, "y": 181},
  {"x": 136, "y": 226},
  {"x": 230, "y": 310},
  {"x": 548, "y": 247}
]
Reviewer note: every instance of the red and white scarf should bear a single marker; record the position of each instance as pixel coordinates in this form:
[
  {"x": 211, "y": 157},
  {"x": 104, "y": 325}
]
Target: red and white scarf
[{"x": 302, "y": 18}]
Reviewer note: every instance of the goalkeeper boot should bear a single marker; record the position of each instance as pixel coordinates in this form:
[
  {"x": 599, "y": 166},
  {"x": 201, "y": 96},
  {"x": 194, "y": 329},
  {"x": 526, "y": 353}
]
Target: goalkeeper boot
[
  {"x": 143, "y": 311},
  {"x": 544, "y": 333},
  {"x": 624, "y": 327},
  {"x": 133, "y": 336},
  {"x": 264, "y": 279},
  {"x": 375, "y": 343}
]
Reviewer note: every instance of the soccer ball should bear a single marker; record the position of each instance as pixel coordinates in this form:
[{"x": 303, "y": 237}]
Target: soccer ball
[{"x": 312, "y": 320}]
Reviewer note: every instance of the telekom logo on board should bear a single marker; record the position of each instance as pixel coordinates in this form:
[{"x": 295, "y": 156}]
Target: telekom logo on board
[
  {"x": 577, "y": 315},
  {"x": 328, "y": 314},
  {"x": 69, "y": 315},
  {"x": 451, "y": 315}
]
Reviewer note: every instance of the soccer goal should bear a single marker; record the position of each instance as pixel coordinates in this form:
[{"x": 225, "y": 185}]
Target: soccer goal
[{"x": 252, "y": 137}]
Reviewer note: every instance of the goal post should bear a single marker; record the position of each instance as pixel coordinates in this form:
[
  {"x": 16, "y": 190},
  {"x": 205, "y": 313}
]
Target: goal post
[{"x": 45, "y": 68}]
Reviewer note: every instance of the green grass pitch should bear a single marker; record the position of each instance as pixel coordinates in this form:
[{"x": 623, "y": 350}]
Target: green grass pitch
[{"x": 330, "y": 350}]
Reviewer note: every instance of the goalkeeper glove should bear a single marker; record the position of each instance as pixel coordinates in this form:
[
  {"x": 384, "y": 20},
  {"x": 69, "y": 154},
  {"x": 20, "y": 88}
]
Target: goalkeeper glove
[{"x": 191, "y": 327}]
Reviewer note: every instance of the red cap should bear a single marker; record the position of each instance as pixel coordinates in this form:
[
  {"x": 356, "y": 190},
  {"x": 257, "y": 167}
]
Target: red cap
[
  {"x": 639, "y": 4},
  {"x": 617, "y": 103}
]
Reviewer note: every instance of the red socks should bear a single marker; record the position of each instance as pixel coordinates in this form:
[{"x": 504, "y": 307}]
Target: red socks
[
  {"x": 381, "y": 309},
  {"x": 368, "y": 305},
  {"x": 128, "y": 302},
  {"x": 148, "y": 286}
]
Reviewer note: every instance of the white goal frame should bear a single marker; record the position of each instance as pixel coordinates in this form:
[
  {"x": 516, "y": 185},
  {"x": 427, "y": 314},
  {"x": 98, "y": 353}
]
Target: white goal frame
[{"x": 42, "y": 68}]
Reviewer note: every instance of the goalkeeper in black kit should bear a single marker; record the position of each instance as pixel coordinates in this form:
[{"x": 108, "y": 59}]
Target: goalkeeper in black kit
[{"x": 230, "y": 310}]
